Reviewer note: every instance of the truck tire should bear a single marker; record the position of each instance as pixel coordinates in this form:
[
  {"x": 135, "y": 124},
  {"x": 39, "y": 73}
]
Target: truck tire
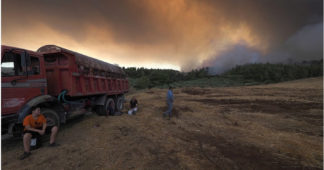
[
  {"x": 52, "y": 119},
  {"x": 110, "y": 102},
  {"x": 104, "y": 110},
  {"x": 120, "y": 103}
]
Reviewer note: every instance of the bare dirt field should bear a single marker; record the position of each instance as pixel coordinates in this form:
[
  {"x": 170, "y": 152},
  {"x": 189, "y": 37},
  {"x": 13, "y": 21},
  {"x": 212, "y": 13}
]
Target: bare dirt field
[{"x": 277, "y": 126}]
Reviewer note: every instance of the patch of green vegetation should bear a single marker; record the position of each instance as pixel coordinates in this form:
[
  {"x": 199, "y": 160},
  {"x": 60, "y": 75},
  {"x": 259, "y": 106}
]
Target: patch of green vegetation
[
  {"x": 242, "y": 75},
  {"x": 273, "y": 73}
]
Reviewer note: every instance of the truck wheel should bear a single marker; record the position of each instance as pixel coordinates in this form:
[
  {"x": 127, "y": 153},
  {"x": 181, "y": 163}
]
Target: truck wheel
[
  {"x": 110, "y": 103},
  {"x": 120, "y": 103},
  {"x": 52, "y": 119},
  {"x": 104, "y": 110}
]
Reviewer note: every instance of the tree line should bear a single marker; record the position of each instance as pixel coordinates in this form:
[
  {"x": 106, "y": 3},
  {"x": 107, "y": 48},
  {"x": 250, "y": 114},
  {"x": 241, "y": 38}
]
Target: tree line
[
  {"x": 271, "y": 73},
  {"x": 148, "y": 78},
  {"x": 141, "y": 78}
]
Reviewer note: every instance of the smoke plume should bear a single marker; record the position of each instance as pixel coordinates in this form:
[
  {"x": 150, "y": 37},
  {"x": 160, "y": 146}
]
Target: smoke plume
[
  {"x": 306, "y": 44},
  {"x": 176, "y": 34}
]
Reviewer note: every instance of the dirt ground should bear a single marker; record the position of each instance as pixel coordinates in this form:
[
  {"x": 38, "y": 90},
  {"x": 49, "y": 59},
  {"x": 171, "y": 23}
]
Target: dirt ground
[{"x": 278, "y": 126}]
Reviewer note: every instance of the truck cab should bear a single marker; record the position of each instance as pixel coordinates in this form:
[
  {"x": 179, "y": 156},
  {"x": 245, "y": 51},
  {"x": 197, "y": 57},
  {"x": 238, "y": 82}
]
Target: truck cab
[{"x": 22, "y": 79}]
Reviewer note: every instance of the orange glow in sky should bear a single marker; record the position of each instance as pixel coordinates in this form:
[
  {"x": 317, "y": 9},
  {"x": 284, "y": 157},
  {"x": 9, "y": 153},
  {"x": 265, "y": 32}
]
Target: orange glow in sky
[{"x": 169, "y": 34}]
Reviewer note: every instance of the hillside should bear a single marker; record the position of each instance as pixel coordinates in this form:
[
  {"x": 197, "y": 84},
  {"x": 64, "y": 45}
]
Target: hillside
[
  {"x": 247, "y": 74},
  {"x": 275, "y": 126}
]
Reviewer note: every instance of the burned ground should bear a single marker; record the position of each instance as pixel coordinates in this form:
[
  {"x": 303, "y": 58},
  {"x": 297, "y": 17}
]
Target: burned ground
[{"x": 278, "y": 126}]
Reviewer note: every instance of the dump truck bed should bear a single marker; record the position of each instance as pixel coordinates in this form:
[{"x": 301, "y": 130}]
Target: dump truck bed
[{"x": 81, "y": 75}]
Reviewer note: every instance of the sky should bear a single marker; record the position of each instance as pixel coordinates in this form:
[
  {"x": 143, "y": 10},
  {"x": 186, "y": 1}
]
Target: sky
[{"x": 170, "y": 34}]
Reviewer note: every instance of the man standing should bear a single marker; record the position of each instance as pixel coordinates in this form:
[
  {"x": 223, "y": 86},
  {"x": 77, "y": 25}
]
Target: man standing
[
  {"x": 169, "y": 102},
  {"x": 35, "y": 127}
]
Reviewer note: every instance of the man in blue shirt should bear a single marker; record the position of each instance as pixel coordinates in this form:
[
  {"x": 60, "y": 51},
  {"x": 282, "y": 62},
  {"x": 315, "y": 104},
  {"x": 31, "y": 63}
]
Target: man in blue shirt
[{"x": 170, "y": 102}]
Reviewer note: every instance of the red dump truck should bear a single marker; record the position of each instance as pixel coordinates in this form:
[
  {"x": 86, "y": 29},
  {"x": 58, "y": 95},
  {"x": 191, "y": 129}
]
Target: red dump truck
[{"x": 63, "y": 83}]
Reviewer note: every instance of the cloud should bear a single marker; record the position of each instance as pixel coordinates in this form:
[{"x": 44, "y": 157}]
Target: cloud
[{"x": 178, "y": 33}]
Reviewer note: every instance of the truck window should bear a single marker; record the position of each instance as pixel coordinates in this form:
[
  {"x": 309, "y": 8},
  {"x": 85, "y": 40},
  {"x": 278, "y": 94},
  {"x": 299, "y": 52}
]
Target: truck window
[
  {"x": 35, "y": 68},
  {"x": 11, "y": 65}
]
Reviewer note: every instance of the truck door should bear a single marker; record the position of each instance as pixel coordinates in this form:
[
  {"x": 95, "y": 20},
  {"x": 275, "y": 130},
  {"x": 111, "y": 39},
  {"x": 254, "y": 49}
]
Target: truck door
[{"x": 21, "y": 79}]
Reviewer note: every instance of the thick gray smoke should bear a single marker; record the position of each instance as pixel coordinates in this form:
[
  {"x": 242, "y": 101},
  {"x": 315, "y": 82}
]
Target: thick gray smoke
[
  {"x": 184, "y": 33},
  {"x": 238, "y": 54},
  {"x": 306, "y": 44}
]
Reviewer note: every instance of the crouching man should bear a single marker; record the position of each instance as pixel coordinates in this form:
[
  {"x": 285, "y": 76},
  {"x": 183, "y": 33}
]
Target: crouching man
[
  {"x": 35, "y": 127},
  {"x": 133, "y": 106}
]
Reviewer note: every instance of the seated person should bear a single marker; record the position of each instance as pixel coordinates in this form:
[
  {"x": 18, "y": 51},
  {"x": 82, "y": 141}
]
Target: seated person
[
  {"x": 133, "y": 106},
  {"x": 35, "y": 127}
]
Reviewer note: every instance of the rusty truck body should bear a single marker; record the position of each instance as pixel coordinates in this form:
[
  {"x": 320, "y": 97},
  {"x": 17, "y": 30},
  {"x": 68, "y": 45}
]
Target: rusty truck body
[{"x": 63, "y": 83}]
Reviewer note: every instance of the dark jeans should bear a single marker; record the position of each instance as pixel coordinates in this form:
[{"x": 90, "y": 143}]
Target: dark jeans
[
  {"x": 48, "y": 130},
  {"x": 36, "y": 135},
  {"x": 169, "y": 111}
]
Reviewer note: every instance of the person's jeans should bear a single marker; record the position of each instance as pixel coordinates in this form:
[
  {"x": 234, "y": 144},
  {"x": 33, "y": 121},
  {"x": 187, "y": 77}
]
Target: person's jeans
[{"x": 169, "y": 111}]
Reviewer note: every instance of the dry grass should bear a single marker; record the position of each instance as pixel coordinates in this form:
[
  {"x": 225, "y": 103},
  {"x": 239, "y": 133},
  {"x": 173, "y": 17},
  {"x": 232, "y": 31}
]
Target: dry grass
[{"x": 277, "y": 126}]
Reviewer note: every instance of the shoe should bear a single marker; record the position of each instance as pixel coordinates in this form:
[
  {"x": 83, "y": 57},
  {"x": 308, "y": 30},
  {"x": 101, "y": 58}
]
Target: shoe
[
  {"x": 53, "y": 144},
  {"x": 24, "y": 155}
]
